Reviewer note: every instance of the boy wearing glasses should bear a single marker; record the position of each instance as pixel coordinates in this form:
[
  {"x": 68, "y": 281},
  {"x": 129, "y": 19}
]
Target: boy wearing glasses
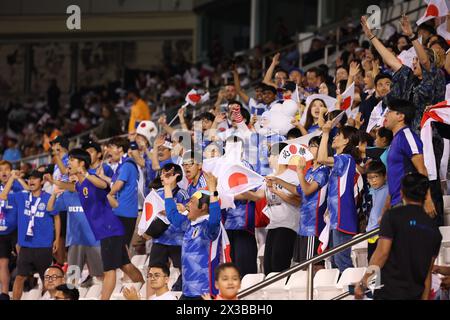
[
  {"x": 157, "y": 281},
  {"x": 193, "y": 170}
]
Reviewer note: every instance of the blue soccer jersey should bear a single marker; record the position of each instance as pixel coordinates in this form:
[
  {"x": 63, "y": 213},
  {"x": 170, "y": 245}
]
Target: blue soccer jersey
[
  {"x": 107, "y": 170},
  {"x": 104, "y": 223},
  {"x": 128, "y": 173},
  {"x": 193, "y": 188},
  {"x": 31, "y": 208},
  {"x": 404, "y": 146},
  {"x": 8, "y": 214},
  {"x": 341, "y": 195},
  {"x": 197, "y": 249},
  {"x": 173, "y": 236},
  {"x": 261, "y": 145},
  {"x": 313, "y": 206},
  {"x": 79, "y": 233}
]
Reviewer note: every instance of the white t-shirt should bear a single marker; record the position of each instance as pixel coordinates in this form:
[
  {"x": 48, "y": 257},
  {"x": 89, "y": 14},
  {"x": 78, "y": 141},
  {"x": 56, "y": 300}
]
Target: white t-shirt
[
  {"x": 280, "y": 213},
  {"x": 166, "y": 296}
]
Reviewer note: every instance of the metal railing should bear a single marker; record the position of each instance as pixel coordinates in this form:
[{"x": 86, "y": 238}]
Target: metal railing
[{"x": 308, "y": 264}]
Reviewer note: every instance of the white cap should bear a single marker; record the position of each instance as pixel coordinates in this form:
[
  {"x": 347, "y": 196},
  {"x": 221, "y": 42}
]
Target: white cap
[{"x": 147, "y": 129}]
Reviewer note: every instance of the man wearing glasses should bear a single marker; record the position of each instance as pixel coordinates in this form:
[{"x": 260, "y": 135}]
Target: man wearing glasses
[
  {"x": 157, "y": 281},
  {"x": 53, "y": 277}
]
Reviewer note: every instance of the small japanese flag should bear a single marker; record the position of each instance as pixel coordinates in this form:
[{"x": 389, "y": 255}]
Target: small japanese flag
[
  {"x": 406, "y": 57},
  {"x": 195, "y": 97},
  {"x": 237, "y": 179},
  {"x": 153, "y": 205},
  {"x": 435, "y": 8},
  {"x": 348, "y": 97}
]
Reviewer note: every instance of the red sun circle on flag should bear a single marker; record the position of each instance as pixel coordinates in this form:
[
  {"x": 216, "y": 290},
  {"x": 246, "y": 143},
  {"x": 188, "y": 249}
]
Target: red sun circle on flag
[
  {"x": 148, "y": 211},
  {"x": 195, "y": 97},
  {"x": 237, "y": 179},
  {"x": 143, "y": 125},
  {"x": 346, "y": 103},
  {"x": 293, "y": 149},
  {"x": 432, "y": 10}
]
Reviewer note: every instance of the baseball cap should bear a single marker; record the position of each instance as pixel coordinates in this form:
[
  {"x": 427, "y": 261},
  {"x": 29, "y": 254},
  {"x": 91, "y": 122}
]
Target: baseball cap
[
  {"x": 63, "y": 141},
  {"x": 92, "y": 144}
]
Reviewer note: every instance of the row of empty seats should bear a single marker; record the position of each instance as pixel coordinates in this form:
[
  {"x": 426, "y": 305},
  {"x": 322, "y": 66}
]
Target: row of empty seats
[{"x": 326, "y": 284}]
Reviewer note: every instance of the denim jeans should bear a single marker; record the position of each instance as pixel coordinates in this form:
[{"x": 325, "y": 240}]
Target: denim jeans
[{"x": 342, "y": 259}]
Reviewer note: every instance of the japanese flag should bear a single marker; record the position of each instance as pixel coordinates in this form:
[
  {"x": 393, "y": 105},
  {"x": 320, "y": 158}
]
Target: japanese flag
[
  {"x": 348, "y": 97},
  {"x": 324, "y": 236},
  {"x": 153, "y": 205},
  {"x": 195, "y": 97},
  {"x": 435, "y": 8},
  {"x": 442, "y": 31},
  {"x": 237, "y": 179},
  {"x": 290, "y": 154},
  {"x": 406, "y": 57},
  {"x": 377, "y": 117},
  {"x": 437, "y": 113}
]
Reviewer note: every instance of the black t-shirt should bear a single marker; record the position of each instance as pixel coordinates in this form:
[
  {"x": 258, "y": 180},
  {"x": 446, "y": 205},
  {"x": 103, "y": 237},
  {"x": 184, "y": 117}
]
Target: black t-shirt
[{"x": 415, "y": 241}]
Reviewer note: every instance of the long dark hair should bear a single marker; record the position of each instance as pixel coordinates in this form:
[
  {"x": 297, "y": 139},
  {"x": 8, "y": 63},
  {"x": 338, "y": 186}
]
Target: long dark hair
[
  {"x": 309, "y": 118},
  {"x": 351, "y": 148}
]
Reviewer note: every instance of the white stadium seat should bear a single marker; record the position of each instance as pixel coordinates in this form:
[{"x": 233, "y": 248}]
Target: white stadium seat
[
  {"x": 34, "y": 294},
  {"x": 94, "y": 292},
  {"x": 277, "y": 290},
  {"x": 139, "y": 260},
  {"x": 325, "y": 278},
  {"x": 250, "y": 280},
  {"x": 296, "y": 285},
  {"x": 359, "y": 254}
]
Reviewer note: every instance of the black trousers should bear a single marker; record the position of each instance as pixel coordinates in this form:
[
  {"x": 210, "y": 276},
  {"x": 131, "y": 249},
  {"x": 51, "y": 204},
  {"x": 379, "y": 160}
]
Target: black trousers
[
  {"x": 435, "y": 185},
  {"x": 279, "y": 249},
  {"x": 244, "y": 251}
]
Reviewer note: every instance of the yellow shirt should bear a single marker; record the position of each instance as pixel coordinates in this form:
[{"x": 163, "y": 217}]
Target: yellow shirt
[{"x": 139, "y": 112}]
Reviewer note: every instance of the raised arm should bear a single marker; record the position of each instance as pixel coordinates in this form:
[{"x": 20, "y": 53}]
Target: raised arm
[
  {"x": 418, "y": 47},
  {"x": 322, "y": 156},
  {"x": 307, "y": 188},
  {"x": 14, "y": 175},
  {"x": 162, "y": 121},
  {"x": 353, "y": 72},
  {"x": 172, "y": 213},
  {"x": 388, "y": 56},
  {"x": 214, "y": 207},
  {"x": 159, "y": 141},
  {"x": 269, "y": 74},
  {"x": 237, "y": 84}
]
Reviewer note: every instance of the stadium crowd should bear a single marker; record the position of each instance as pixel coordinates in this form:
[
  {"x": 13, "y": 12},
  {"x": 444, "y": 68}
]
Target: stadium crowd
[{"x": 301, "y": 164}]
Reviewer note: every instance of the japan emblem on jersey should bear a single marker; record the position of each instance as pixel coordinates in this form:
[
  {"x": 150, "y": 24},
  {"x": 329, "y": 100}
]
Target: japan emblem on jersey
[
  {"x": 195, "y": 233},
  {"x": 85, "y": 192},
  {"x": 41, "y": 207}
]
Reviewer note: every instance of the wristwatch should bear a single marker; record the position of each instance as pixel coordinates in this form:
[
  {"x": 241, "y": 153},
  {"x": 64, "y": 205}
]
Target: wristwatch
[{"x": 413, "y": 37}]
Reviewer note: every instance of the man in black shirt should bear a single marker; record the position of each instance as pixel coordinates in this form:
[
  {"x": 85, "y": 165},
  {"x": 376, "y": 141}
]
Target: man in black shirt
[{"x": 408, "y": 245}]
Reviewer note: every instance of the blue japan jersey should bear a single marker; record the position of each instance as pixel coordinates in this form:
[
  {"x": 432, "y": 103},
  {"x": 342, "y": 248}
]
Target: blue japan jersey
[
  {"x": 404, "y": 146},
  {"x": 173, "y": 236},
  {"x": 313, "y": 206},
  {"x": 197, "y": 248},
  {"x": 341, "y": 195}
]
